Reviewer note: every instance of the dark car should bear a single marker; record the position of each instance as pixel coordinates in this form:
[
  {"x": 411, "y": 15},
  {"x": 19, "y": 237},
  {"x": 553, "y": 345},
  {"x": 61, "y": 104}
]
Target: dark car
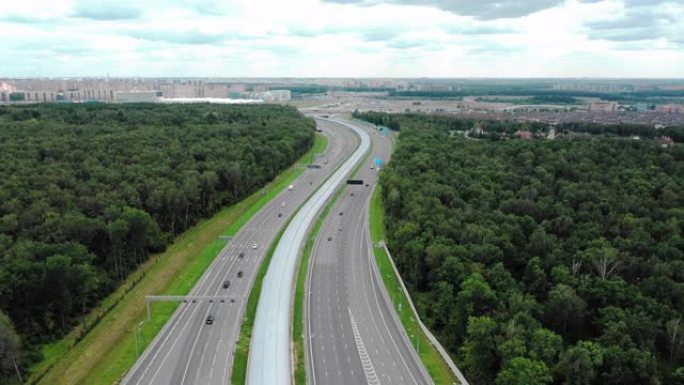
[
  {"x": 240, "y": 274},
  {"x": 341, "y": 212},
  {"x": 330, "y": 238},
  {"x": 210, "y": 319},
  {"x": 280, "y": 215},
  {"x": 242, "y": 255},
  {"x": 226, "y": 284}
]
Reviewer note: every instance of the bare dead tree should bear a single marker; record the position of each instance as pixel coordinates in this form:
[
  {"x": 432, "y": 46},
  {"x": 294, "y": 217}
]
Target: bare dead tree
[
  {"x": 576, "y": 267},
  {"x": 675, "y": 336},
  {"x": 605, "y": 266}
]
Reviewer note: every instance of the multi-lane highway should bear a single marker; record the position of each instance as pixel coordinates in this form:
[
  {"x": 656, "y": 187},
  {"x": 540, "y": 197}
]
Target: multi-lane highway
[
  {"x": 353, "y": 334},
  {"x": 270, "y": 354},
  {"x": 190, "y": 351}
]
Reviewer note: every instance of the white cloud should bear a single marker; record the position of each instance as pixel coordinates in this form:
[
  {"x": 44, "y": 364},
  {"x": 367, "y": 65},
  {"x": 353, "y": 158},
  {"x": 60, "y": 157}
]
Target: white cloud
[{"x": 412, "y": 38}]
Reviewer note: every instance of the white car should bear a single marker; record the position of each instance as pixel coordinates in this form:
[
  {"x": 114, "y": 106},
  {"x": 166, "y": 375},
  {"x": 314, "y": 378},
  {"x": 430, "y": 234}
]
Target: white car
[{"x": 254, "y": 246}]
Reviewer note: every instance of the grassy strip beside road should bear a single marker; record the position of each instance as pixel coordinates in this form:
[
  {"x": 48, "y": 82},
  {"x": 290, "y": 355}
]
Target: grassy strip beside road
[
  {"x": 103, "y": 354},
  {"x": 435, "y": 365}
]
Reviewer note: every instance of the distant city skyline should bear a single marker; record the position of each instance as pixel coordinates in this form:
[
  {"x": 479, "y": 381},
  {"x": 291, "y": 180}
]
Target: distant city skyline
[{"x": 343, "y": 38}]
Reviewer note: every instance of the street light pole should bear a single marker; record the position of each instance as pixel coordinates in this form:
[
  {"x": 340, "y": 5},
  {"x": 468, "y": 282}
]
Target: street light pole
[
  {"x": 417, "y": 342},
  {"x": 416, "y": 336},
  {"x": 137, "y": 338}
]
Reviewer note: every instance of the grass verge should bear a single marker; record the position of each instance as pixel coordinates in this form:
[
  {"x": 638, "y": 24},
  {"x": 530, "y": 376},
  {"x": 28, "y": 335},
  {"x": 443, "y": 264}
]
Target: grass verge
[
  {"x": 435, "y": 365},
  {"x": 101, "y": 349}
]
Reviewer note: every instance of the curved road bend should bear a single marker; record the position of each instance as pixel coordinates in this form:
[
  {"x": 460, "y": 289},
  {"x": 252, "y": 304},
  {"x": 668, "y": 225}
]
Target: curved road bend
[
  {"x": 270, "y": 353},
  {"x": 353, "y": 333},
  {"x": 187, "y": 351}
]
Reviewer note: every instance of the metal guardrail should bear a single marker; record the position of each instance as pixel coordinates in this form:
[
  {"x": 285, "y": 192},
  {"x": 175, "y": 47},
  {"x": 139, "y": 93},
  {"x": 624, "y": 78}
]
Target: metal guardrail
[{"x": 426, "y": 331}]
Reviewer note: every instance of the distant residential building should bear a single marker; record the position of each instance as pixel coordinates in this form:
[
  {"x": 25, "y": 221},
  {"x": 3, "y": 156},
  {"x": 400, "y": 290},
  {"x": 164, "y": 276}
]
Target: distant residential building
[
  {"x": 671, "y": 108},
  {"x": 137, "y": 96},
  {"x": 182, "y": 89},
  {"x": 222, "y": 90},
  {"x": 7, "y": 88},
  {"x": 603, "y": 107},
  {"x": 664, "y": 141},
  {"x": 524, "y": 134}
]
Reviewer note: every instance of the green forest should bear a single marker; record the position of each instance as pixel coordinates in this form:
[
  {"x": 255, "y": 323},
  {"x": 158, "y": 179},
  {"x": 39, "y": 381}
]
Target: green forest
[
  {"x": 88, "y": 191},
  {"x": 493, "y": 129},
  {"x": 542, "y": 261},
  {"x": 546, "y": 95}
]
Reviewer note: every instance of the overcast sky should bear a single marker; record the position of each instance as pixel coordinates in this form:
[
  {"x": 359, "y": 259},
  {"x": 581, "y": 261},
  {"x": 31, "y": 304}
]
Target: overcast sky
[{"x": 343, "y": 38}]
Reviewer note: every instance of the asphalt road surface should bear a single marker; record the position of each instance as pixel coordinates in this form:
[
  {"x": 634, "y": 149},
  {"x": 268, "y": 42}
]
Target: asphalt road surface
[
  {"x": 188, "y": 351},
  {"x": 270, "y": 350},
  {"x": 353, "y": 333}
]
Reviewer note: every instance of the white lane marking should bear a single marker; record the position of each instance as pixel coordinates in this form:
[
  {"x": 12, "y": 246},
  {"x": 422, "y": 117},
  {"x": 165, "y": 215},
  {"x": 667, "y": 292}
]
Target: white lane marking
[
  {"x": 194, "y": 344},
  {"x": 213, "y": 361},
  {"x": 368, "y": 369},
  {"x": 376, "y": 293},
  {"x": 246, "y": 234},
  {"x": 198, "y": 288}
]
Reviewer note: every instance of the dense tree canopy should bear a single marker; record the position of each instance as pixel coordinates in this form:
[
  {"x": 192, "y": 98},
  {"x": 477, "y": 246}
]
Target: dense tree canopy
[
  {"x": 542, "y": 261},
  {"x": 496, "y": 129},
  {"x": 544, "y": 94},
  {"x": 88, "y": 191}
]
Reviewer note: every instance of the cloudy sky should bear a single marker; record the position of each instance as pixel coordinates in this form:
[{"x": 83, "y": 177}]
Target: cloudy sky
[{"x": 343, "y": 38}]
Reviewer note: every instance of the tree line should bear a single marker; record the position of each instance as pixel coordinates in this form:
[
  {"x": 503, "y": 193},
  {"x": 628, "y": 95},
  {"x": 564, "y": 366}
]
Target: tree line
[
  {"x": 542, "y": 262},
  {"x": 494, "y": 128},
  {"x": 635, "y": 96},
  {"x": 88, "y": 191}
]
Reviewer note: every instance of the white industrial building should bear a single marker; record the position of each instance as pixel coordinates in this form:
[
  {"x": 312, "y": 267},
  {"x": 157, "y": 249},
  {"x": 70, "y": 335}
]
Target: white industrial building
[{"x": 269, "y": 96}]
